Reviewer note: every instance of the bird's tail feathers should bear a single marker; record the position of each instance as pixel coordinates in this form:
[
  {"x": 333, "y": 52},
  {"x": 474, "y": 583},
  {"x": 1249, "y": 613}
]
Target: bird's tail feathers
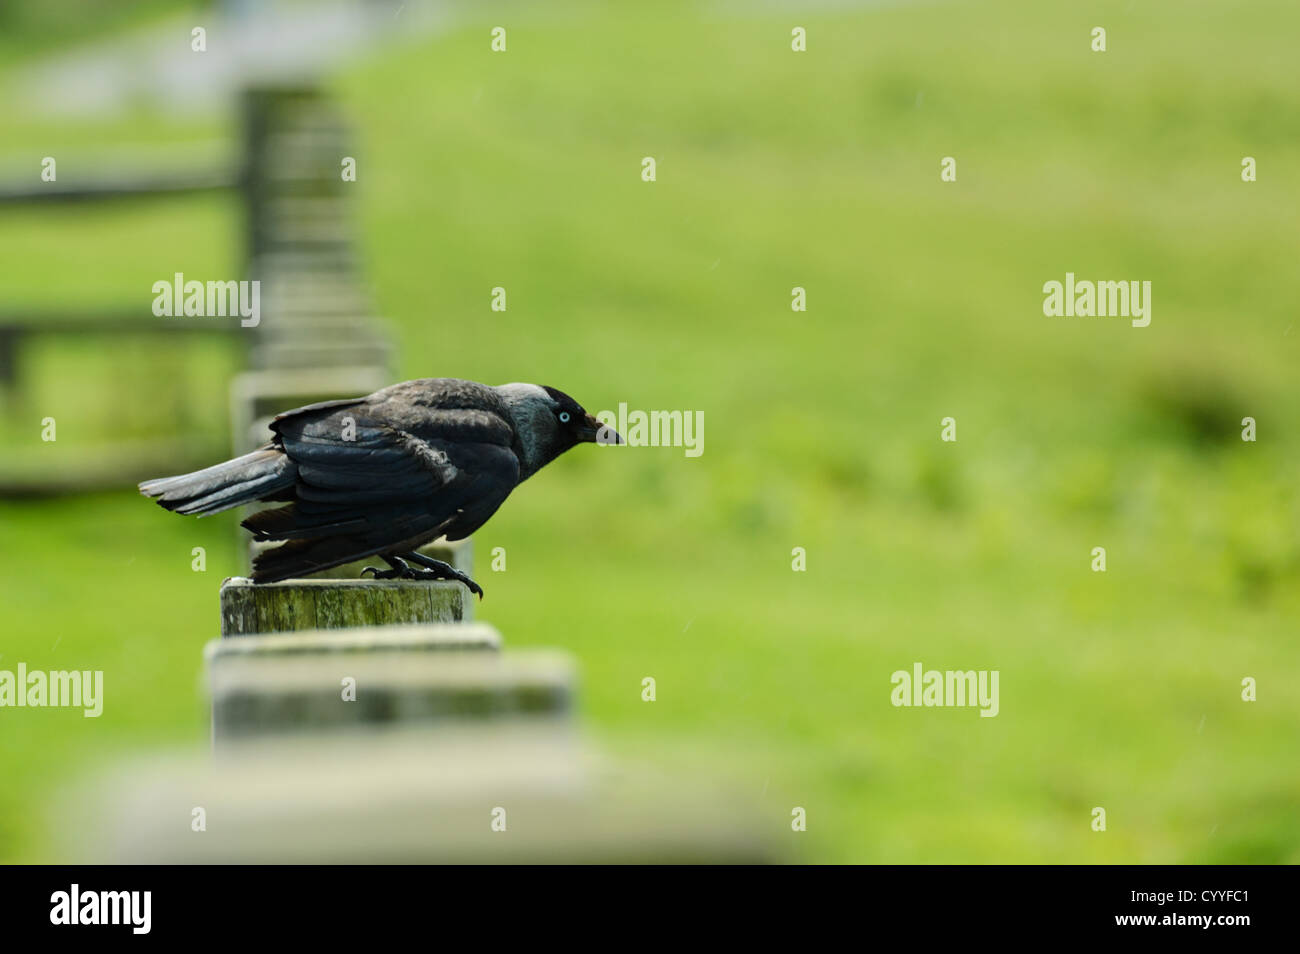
[{"x": 235, "y": 482}]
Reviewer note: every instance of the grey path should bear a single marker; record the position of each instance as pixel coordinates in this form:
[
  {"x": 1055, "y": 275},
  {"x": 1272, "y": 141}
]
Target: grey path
[
  {"x": 246, "y": 43},
  {"x": 252, "y": 41}
]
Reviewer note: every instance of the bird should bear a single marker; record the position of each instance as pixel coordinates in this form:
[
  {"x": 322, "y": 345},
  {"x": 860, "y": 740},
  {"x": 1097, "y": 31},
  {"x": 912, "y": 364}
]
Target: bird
[{"x": 384, "y": 474}]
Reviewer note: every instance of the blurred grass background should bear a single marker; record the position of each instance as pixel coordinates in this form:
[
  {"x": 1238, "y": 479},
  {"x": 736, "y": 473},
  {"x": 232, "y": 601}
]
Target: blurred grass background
[{"x": 778, "y": 169}]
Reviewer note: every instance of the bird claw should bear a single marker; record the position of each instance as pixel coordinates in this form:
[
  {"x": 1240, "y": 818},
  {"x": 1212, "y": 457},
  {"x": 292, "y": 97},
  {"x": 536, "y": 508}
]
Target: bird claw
[
  {"x": 473, "y": 587},
  {"x": 404, "y": 571},
  {"x": 454, "y": 574}
]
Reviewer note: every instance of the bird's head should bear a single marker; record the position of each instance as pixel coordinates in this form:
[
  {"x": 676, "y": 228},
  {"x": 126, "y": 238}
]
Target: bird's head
[{"x": 549, "y": 422}]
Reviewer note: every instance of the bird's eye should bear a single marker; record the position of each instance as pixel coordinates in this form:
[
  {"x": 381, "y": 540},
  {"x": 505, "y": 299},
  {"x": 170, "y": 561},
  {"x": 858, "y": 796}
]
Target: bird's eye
[{"x": 564, "y": 417}]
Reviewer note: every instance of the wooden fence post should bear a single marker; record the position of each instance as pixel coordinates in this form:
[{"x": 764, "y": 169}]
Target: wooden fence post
[
  {"x": 259, "y": 608},
  {"x": 430, "y": 679},
  {"x": 320, "y": 654}
]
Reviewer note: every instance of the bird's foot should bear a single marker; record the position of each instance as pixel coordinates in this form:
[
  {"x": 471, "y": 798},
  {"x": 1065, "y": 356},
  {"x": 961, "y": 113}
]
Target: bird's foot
[
  {"x": 430, "y": 569},
  {"x": 438, "y": 570}
]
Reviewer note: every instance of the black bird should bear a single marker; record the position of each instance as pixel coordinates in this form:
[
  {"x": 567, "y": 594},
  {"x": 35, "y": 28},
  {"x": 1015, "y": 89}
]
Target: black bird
[{"x": 385, "y": 474}]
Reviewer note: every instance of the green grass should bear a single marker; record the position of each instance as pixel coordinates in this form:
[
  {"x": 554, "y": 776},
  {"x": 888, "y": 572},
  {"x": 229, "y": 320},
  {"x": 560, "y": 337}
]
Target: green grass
[{"x": 821, "y": 169}]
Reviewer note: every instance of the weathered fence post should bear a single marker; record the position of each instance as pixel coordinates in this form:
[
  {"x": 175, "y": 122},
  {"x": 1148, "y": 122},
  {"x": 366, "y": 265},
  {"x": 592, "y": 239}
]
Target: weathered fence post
[
  {"x": 259, "y": 608},
  {"x": 322, "y": 654}
]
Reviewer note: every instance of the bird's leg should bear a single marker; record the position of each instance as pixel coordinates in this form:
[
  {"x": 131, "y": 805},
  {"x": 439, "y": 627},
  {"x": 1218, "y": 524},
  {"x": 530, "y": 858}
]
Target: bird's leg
[{"x": 433, "y": 570}]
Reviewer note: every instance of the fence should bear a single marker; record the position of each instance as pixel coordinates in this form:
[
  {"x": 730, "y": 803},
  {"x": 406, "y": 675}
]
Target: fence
[{"x": 367, "y": 720}]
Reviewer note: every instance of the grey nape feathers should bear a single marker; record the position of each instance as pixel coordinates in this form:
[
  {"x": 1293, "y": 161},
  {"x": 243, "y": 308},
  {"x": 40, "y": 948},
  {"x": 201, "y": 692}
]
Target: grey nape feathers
[{"x": 385, "y": 474}]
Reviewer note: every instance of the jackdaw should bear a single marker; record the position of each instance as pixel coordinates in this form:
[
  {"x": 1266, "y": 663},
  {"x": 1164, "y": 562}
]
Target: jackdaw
[{"x": 385, "y": 474}]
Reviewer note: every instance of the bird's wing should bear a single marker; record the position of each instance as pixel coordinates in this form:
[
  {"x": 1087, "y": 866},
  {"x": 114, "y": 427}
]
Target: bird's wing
[
  {"x": 318, "y": 406},
  {"x": 402, "y": 479},
  {"x": 357, "y": 468}
]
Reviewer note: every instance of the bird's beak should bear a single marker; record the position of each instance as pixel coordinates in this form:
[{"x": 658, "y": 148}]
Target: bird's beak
[{"x": 595, "y": 432}]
